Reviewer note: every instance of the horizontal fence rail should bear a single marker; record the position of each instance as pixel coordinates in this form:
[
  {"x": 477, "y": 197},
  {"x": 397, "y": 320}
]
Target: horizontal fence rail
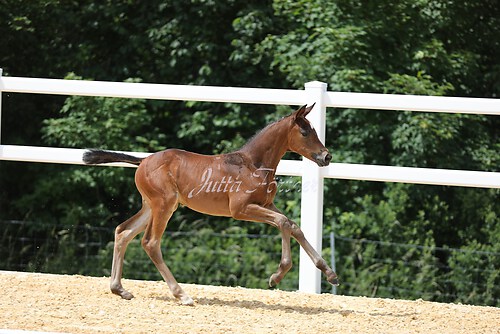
[
  {"x": 249, "y": 95},
  {"x": 312, "y": 176},
  {"x": 445, "y": 104},
  {"x": 416, "y": 175},
  {"x": 152, "y": 91},
  {"x": 430, "y": 176}
]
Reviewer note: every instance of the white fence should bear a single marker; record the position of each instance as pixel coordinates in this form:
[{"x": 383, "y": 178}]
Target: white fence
[{"x": 312, "y": 175}]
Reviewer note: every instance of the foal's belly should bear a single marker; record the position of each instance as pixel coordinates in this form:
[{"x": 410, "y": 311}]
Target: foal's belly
[{"x": 214, "y": 204}]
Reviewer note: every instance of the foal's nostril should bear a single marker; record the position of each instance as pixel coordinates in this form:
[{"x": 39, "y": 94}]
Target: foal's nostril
[
  {"x": 328, "y": 158},
  {"x": 323, "y": 158}
]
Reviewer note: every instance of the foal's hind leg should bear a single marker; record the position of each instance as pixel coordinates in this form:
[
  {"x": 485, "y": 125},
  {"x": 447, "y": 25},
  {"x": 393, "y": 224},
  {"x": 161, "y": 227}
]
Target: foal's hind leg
[
  {"x": 124, "y": 233},
  {"x": 162, "y": 210}
]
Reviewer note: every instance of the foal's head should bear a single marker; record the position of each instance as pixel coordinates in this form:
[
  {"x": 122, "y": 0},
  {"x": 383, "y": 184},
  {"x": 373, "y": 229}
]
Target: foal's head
[{"x": 303, "y": 139}]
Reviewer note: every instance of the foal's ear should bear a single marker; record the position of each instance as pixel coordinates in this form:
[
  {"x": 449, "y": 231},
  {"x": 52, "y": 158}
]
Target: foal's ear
[{"x": 303, "y": 111}]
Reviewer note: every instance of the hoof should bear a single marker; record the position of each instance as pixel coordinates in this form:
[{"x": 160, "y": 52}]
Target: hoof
[
  {"x": 186, "y": 300},
  {"x": 272, "y": 282},
  {"x": 127, "y": 295},
  {"x": 333, "y": 281},
  {"x": 123, "y": 293}
]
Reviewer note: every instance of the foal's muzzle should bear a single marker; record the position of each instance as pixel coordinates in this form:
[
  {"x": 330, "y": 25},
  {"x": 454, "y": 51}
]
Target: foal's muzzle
[{"x": 323, "y": 158}]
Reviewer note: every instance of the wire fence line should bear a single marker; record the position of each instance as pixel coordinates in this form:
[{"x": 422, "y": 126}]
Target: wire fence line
[
  {"x": 33, "y": 241},
  {"x": 433, "y": 248},
  {"x": 219, "y": 258}
]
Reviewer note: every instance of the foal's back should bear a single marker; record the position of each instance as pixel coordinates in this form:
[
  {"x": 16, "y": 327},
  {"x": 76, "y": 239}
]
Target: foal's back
[{"x": 204, "y": 183}]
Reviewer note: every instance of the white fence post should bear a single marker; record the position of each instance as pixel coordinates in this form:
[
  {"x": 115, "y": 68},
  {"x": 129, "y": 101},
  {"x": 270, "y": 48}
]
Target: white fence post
[{"x": 311, "y": 200}]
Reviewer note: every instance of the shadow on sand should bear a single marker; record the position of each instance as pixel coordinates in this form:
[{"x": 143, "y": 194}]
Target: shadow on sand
[{"x": 256, "y": 304}]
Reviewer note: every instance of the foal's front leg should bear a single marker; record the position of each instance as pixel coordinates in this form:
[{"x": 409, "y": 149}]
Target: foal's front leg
[
  {"x": 274, "y": 217},
  {"x": 291, "y": 228},
  {"x": 286, "y": 259},
  {"x": 318, "y": 261}
]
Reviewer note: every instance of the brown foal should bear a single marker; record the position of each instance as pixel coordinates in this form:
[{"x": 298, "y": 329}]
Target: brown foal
[{"x": 240, "y": 184}]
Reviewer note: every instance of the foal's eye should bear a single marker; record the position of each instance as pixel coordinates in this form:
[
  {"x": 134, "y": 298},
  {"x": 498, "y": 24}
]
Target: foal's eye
[{"x": 304, "y": 132}]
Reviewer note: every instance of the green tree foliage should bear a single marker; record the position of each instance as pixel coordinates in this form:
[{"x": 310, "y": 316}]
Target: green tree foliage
[{"x": 393, "y": 240}]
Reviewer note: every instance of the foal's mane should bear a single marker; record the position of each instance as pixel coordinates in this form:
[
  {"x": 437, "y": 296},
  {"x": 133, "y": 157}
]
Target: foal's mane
[{"x": 252, "y": 139}]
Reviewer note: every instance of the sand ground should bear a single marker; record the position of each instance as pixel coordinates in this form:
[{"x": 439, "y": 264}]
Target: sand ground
[{"x": 78, "y": 304}]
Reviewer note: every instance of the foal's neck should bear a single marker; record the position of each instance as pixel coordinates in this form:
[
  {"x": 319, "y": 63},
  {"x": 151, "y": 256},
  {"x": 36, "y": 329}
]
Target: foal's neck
[{"x": 268, "y": 147}]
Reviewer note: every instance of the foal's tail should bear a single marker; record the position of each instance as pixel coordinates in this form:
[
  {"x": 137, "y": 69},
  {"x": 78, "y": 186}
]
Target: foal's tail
[{"x": 95, "y": 157}]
